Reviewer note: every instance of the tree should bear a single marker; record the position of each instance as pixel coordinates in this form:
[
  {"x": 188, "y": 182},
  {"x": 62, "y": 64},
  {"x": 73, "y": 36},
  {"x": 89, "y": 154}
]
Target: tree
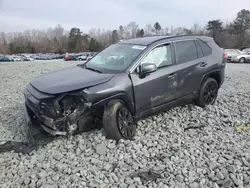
[
  {"x": 74, "y": 39},
  {"x": 241, "y": 25},
  {"x": 187, "y": 31},
  {"x": 115, "y": 36},
  {"x": 56, "y": 39},
  {"x": 121, "y": 31},
  {"x": 94, "y": 46},
  {"x": 85, "y": 42},
  {"x": 197, "y": 29},
  {"x": 3, "y": 43},
  {"x": 157, "y": 27},
  {"x": 215, "y": 28},
  {"x": 148, "y": 30},
  {"x": 11, "y": 48},
  {"x": 140, "y": 33},
  {"x": 132, "y": 28}
]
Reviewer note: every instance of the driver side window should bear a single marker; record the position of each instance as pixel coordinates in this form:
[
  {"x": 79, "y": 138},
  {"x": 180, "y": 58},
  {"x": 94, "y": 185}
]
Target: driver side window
[{"x": 161, "y": 56}]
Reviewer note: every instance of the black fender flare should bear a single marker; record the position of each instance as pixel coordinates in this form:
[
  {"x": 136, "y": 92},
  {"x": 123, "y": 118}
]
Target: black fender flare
[
  {"x": 116, "y": 98},
  {"x": 208, "y": 74}
]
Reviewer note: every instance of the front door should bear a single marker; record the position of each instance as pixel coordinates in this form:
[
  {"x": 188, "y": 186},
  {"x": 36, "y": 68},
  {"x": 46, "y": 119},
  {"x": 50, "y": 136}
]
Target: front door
[{"x": 156, "y": 88}]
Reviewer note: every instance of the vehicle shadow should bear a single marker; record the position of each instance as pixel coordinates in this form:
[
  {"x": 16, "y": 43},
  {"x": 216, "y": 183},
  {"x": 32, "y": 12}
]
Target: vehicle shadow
[
  {"x": 16, "y": 136},
  {"x": 23, "y": 139}
]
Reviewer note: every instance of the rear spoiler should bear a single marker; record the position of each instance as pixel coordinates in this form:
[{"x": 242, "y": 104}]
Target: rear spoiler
[{"x": 205, "y": 39}]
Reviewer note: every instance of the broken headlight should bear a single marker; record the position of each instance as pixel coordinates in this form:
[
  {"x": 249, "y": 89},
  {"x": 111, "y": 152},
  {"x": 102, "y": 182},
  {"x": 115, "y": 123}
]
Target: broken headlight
[
  {"x": 48, "y": 109},
  {"x": 66, "y": 105},
  {"x": 62, "y": 106}
]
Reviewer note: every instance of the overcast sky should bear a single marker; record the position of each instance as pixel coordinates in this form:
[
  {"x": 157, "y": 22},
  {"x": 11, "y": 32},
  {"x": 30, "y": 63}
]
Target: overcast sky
[{"x": 19, "y": 15}]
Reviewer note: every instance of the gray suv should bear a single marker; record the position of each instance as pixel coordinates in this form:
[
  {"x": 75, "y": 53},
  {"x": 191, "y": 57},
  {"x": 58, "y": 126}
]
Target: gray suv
[{"x": 125, "y": 82}]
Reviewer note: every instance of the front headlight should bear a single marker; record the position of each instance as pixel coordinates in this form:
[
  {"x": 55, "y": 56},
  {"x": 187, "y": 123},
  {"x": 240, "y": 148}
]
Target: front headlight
[
  {"x": 62, "y": 106},
  {"x": 67, "y": 105},
  {"x": 48, "y": 109}
]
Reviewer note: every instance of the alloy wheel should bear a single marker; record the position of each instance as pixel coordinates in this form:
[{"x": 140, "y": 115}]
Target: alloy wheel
[
  {"x": 126, "y": 123},
  {"x": 210, "y": 93},
  {"x": 242, "y": 60}
]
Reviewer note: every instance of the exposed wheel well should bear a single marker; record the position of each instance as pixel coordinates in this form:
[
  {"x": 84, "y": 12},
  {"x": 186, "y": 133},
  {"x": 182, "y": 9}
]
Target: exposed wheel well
[
  {"x": 214, "y": 75},
  {"x": 99, "y": 109},
  {"x": 115, "y": 101}
]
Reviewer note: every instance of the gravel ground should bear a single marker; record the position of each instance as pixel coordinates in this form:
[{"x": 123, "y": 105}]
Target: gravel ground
[{"x": 165, "y": 152}]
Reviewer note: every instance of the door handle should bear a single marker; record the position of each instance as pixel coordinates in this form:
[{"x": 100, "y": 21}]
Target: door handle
[
  {"x": 203, "y": 64},
  {"x": 172, "y": 75}
]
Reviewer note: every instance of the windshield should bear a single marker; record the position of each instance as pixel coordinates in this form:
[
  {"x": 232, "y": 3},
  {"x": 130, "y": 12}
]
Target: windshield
[
  {"x": 246, "y": 50},
  {"x": 115, "y": 58}
]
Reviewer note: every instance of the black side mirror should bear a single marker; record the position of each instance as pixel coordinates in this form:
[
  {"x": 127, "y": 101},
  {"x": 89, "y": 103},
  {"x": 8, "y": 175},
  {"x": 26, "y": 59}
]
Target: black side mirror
[{"x": 148, "y": 68}]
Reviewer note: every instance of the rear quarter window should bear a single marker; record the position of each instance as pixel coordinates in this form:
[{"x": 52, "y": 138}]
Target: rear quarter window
[
  {"x": 206, "y": 49},
  {"x": 199, "y": 51},
  {"x": 185, "y": 51}
]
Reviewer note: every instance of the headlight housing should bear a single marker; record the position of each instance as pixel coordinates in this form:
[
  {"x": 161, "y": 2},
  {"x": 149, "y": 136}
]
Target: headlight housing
[{"x": 61, "y": 106}]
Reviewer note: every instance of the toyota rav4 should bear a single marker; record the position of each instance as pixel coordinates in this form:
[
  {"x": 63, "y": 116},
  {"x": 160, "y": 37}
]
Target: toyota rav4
[{"x": 124, "y": 83}]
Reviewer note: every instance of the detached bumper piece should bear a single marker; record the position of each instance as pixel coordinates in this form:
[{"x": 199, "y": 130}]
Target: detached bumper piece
[
  {"x": 28, "y": 125},
  {"x": 63, "y": 115}
]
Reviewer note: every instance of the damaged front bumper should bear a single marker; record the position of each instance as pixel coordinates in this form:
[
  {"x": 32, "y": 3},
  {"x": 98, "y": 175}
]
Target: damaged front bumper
[
  {"x": 44, "y": 125},
  {"x": 28, "y": 125},
  {"x": 56, "y": 117}
]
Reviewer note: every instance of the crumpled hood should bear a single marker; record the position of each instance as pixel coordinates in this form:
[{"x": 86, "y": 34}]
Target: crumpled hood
[{"x": 68, "y": 79}]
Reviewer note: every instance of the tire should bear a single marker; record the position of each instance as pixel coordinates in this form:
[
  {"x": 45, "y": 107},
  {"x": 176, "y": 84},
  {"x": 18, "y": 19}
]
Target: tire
[
  {"x": 114, "y": 128},
  {"x": 203, "y": 98},
  {"x": 242, "y": 60}
]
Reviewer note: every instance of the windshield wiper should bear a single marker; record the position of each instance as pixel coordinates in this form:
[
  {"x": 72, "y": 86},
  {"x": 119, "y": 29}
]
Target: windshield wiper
[{"x": 95, "y": 70}]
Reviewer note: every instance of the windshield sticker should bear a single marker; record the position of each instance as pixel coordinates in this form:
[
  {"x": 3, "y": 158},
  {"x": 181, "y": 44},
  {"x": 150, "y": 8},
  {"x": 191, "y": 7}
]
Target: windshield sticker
[{"x": 139, "y": 47}]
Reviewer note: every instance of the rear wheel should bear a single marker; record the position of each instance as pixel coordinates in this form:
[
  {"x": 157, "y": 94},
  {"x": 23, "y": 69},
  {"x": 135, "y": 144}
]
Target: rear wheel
[
  {"x": 118, "y": 122},
  {"x": 208, "y": 92},
  {"x": 242, "y": 60}
]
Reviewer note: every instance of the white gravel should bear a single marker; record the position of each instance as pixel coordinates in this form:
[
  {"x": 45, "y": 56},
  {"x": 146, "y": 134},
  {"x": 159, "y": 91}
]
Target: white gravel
[{"x": 164, "y": 153}]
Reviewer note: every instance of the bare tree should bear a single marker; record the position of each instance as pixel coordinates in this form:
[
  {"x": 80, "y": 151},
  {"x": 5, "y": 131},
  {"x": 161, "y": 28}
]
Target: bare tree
[
  {"x": 57, "y": 39},
  {"x": 148, "y": 30}
]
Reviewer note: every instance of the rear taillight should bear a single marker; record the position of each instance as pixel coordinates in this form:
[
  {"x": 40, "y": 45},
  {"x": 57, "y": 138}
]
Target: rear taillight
[{"x": 225, "y": 55}]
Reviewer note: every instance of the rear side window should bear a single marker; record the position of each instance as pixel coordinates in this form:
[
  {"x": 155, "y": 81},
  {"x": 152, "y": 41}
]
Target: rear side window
[
  {"x": 207, "y": 50},
  {"x": 185, "y": 51},
  {"x": 199, "y": 51}
]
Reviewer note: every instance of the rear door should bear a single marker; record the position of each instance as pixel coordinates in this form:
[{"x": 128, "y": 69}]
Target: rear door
[{"x": 191, "y": 64}]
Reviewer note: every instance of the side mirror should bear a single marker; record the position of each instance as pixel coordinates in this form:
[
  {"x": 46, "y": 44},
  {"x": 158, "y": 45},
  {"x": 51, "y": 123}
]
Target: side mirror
[{"x": 148, "y": 68}]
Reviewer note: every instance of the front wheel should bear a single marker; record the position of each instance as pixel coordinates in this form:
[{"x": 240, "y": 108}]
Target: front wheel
[
  {"x": 242, "y": 60},
  {"x": 208, "y": 92},
  {"x": 118, "y": 122}
]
